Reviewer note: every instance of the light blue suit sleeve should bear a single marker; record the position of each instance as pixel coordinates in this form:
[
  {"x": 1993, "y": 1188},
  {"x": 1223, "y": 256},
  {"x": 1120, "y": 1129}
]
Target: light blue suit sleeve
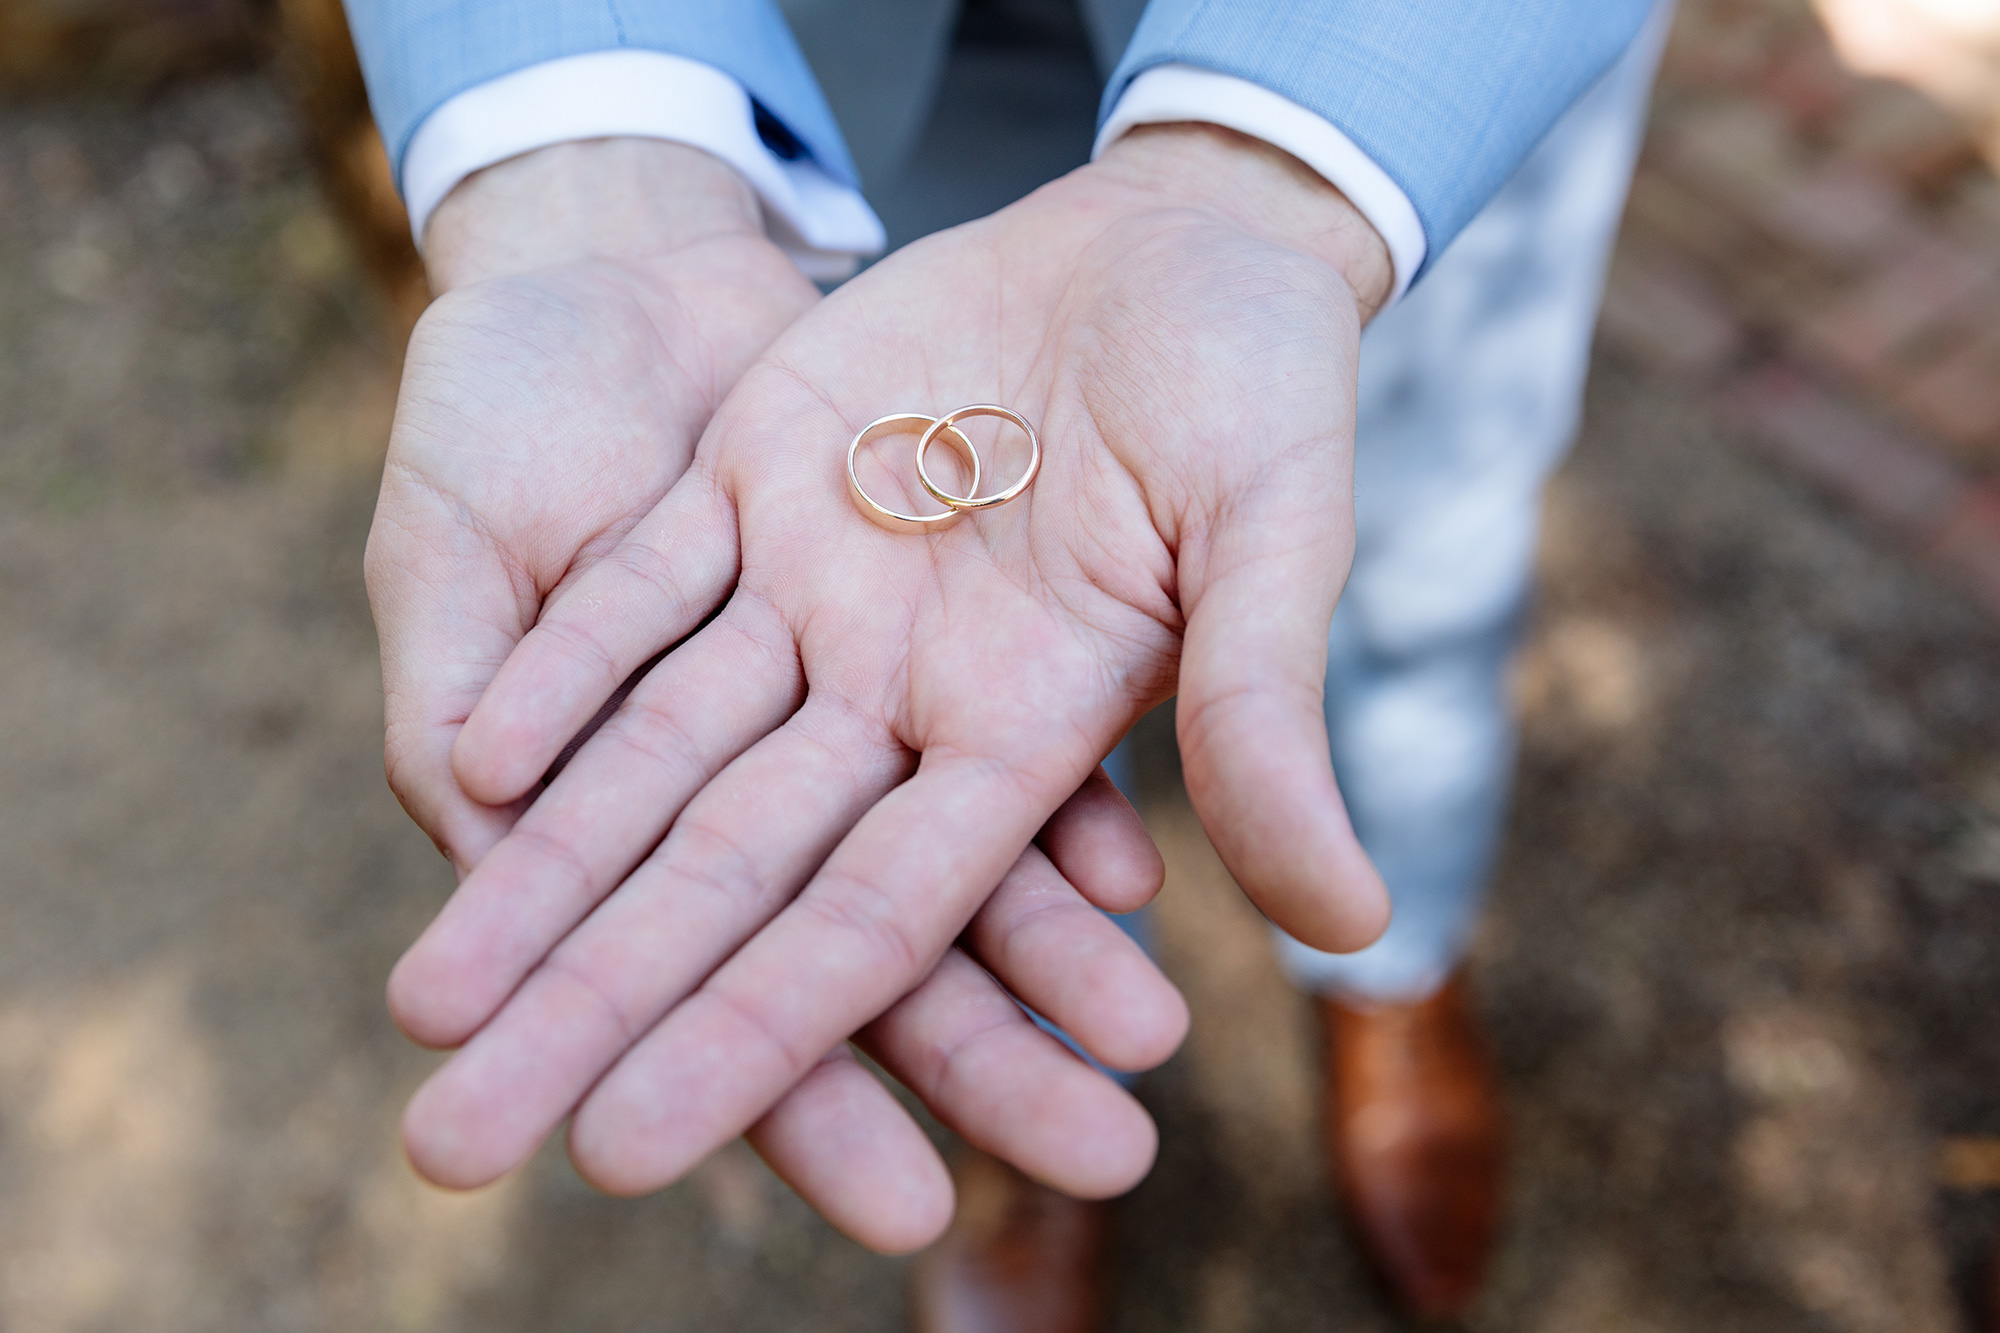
[
  {"x": 1447, "y": 96},
  {"x": 419, "y": 53}
]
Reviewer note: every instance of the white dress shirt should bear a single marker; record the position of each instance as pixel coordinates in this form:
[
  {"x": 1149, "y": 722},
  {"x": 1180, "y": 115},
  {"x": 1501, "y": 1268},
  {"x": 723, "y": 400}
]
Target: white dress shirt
[{"x": 827, "y": 227}]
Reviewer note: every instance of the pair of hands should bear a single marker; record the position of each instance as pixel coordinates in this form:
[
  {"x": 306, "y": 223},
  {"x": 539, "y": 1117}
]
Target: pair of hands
[{"x": 859, "y": 796}]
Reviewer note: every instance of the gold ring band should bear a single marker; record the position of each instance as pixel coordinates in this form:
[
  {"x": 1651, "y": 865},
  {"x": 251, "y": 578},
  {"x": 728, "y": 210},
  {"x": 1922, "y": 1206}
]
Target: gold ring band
[
  {"x": 973, "y": 500},
  {"x": 909, "y": 423}
]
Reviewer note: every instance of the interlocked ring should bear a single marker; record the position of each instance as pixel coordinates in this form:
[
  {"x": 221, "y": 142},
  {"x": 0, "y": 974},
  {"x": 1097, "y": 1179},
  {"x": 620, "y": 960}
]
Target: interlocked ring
[
  {"x": 974, "y": 500},
  {"x": 903, "y": 423}
]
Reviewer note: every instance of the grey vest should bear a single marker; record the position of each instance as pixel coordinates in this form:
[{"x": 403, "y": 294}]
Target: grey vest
[{"x": 881, "y": 62}]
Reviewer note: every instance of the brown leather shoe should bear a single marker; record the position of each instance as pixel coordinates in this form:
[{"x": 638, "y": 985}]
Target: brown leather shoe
[
  {"x": 1416, "y": 1138},
  {"x": 1019, "y": 1258}
]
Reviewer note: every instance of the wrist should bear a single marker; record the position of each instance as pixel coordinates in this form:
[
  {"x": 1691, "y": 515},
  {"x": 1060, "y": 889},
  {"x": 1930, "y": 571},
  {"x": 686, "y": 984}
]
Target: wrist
[
  {"x": 625, "y": 200},
  {"x": 1262, "y": 189}
]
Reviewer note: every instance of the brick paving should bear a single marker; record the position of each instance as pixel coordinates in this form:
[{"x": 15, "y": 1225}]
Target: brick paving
[{"x": 1820, "y": 251}]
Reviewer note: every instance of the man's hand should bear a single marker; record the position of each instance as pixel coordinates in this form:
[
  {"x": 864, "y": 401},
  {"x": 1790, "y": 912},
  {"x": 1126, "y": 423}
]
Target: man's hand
[
  {"x": 596, "y": 302},
  {"x": 1182, "y": 320}
]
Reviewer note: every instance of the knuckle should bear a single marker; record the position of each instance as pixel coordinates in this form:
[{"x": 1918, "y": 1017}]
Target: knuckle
[
  {"x": 862, "y": 910},
  {"x": 575, "y": 641},
  {"x": 948, "y": 1058},
  {"x": 706, "y": 857},
  {"x": 556, "y": 866},
  {"x": 650, "y": 567},
  {"x": 792, "y": 1059},
  {"x": 605, "y": 999},
  {"x": 653, "y": 730}
]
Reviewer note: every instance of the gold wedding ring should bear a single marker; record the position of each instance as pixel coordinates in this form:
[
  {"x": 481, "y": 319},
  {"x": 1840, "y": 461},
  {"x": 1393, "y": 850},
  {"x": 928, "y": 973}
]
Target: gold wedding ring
[
  {"x": 909, "y": 423},
  {"x": 929, "y": 430},
  {"x": 973, "y": 500}
]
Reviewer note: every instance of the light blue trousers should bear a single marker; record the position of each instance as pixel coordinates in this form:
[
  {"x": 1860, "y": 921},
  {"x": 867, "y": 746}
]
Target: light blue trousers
[{"x": 1470, "y": 394}]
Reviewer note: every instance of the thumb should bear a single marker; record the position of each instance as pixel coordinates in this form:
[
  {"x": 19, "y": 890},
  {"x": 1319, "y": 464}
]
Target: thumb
[
  {"x": 1251, "y": 713},
  {"x": 447, "y": 616}
]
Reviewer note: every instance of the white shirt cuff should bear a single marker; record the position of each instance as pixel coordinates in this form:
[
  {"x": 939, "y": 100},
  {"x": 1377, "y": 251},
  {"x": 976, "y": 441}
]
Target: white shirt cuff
[
  {"x": 826, "y": 227},
  {"x": 1167, "y": 93}
]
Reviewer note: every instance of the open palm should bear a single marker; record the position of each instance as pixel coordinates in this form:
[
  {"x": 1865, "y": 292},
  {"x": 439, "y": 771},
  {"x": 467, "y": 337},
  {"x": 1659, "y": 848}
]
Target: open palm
[
  {"x": 924, "y": 703},
  {"x": 542, "y": 415}
]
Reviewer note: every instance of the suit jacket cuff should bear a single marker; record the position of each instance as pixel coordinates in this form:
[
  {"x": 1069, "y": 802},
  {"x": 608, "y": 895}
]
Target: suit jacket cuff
[
  {"x": 824, "y": 225},
  {"x": 1446, "y": 97},
  {"x": 1167, "y": 93},
  {"x": 418, "y": 54}
]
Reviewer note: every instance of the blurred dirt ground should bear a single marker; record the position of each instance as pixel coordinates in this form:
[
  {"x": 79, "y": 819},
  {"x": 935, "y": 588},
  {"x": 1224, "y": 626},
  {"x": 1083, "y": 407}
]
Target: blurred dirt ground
[{"x": 1740, "y": 967}]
